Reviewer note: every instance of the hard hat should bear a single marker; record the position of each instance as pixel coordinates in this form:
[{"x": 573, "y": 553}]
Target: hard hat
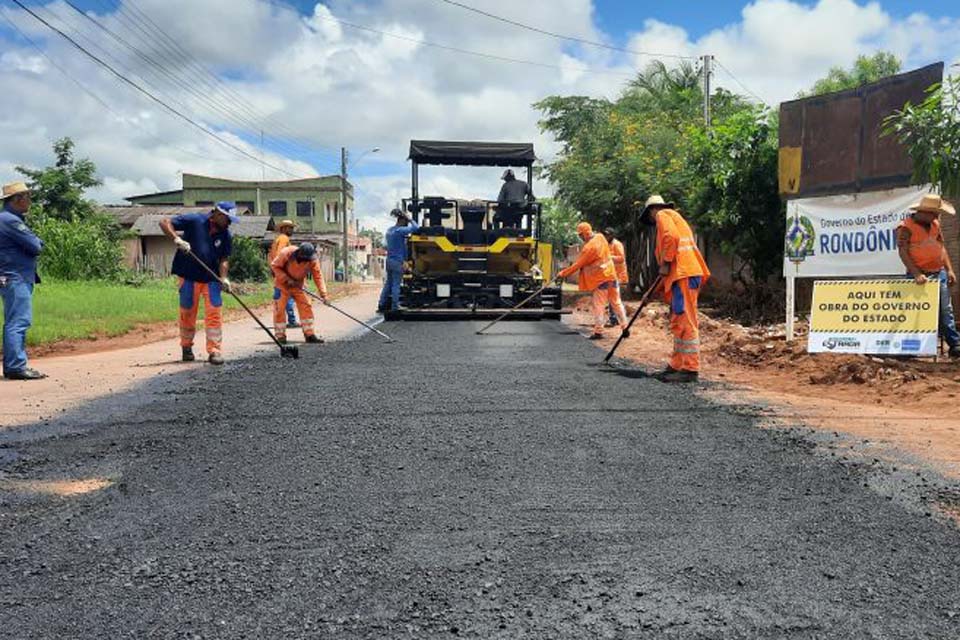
[
  {"x": 229, "y": 209},
  {"x": 306, "y": 251},
  {"x": 507, "y": 174},
  {"x": 584, "y": 228}
]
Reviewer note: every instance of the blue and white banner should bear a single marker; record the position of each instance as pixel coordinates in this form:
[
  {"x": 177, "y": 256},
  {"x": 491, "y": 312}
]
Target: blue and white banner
[{"x": 848, "y": 235}]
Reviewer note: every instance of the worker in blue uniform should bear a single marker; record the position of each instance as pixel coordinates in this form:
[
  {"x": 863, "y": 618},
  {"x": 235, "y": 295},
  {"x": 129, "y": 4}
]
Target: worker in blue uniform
[{"x": 396, "y": 241}]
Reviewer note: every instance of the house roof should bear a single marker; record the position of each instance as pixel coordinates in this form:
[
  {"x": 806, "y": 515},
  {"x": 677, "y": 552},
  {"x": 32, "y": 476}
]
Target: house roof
[
  {"x": 249, "y": 226},
  {"x": 126, "y": 216}
]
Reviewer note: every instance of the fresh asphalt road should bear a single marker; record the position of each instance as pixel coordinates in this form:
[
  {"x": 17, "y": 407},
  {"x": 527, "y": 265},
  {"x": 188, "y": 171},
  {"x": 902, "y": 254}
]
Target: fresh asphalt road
[{"x": 454, "y": 485}]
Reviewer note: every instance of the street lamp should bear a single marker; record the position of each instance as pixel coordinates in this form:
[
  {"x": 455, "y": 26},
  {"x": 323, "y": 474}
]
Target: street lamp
[{"x": 343, "y": 206}]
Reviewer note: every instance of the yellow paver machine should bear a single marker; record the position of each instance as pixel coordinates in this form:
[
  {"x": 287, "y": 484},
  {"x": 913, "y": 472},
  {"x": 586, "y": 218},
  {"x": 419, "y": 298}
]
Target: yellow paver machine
[{"x": 474, "y": 259}]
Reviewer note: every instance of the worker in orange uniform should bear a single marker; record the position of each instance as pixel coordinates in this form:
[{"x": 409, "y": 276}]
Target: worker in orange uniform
[
  {"x": 282, "y": 241},
  {"x": 920, "y": 242},
  {"x": 597, "y": 274},
  {"x": 684, "y": 272},
  {"x": 290, "y": 270},
  {"x": 619, "y": 256}
]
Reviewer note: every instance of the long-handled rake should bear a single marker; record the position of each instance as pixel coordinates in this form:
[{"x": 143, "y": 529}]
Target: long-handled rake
[
  {"x": 355, "y": 319},
  {"x": 636, "y": 314},
  {"x": 286, "y": 350},
  {"x": 512, "y": 309}
]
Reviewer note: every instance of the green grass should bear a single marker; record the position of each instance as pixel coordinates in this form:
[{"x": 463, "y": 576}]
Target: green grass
[{"x": 72, "y": 310}]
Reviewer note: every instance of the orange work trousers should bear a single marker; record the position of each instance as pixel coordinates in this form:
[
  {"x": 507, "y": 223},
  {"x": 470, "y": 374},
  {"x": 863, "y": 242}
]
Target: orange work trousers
[
  {"x": 304, "y": 310},
  {"x": 685, "y": 324},
  {"x": 190, "y": 294},
  {"x": 608, "y": 293}
]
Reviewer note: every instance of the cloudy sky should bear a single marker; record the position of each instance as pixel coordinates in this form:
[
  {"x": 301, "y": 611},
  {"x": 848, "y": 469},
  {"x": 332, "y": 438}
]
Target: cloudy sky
[{"x": 313, "y": 77}]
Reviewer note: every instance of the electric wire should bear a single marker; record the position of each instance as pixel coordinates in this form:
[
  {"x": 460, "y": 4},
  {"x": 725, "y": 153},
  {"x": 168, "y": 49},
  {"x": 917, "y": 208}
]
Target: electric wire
[
  {"x": 561, "y": 36},
  {"x": 742, "y": 86},
  {"x": 146, "y": 92}
]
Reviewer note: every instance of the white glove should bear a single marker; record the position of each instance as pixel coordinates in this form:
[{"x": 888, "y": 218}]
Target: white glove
[
  {"x": 225, "y": 284},
  {"x": 182, "y": 244}
]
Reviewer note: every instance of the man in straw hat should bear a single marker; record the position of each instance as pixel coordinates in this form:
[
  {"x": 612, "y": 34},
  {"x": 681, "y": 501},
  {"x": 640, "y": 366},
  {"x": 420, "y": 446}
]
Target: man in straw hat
[
  {"x": 684, "y": 272},
  {"x": 19, "y": 248},
  {"x": 282, "y": 241},
  {"x": 598, "y": 275},
  {"x": 396, "y": 240},
  {"x": 920, "y": 242}
]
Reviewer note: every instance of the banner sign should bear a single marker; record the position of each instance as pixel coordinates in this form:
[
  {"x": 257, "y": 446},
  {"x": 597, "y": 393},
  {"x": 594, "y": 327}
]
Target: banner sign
[
  {"x": 848, "y": 235},
  {"x": 894, "y": 317}
]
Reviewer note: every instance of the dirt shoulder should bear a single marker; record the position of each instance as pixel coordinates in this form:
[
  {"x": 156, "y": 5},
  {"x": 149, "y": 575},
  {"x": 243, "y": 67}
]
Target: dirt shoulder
[
  {"x": 156, "y": 331},
  {"x": 904, "y": 408}
]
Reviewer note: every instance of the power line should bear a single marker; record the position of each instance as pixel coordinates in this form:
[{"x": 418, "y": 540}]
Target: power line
[
  {"x": 101, "y": 101},
  {"x": 147, "y": 93},
  {"x": 742, "y": 86},
  {"x": 560, "y": 36}
]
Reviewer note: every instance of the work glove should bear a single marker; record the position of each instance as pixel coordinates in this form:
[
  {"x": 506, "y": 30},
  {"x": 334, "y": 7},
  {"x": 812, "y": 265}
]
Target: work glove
[
  {"x": 225, "y": 284},
  {"x": 182, "y": 245}
]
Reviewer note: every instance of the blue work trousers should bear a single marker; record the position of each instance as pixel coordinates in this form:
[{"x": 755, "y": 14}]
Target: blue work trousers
[
  {"x": 291, "y": 316},
  {"x": 948, "y": 326},
  {"x": 17, "y": 317},
  {"x": 391, "y": 284}
]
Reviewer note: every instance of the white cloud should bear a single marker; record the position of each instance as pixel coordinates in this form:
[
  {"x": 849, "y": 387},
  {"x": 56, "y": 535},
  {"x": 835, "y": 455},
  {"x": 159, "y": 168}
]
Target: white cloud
[{"x": 328, "y": 84}]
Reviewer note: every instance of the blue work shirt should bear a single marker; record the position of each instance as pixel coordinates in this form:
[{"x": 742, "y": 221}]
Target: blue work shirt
[
  {"x": 19, "y": 247},
  {"x": 396, "y": 239},
  {"x": 211, "y": 249}
]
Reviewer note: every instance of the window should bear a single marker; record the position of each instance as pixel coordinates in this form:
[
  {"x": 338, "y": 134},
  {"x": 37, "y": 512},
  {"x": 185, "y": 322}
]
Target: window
[
  {"x": 277, "y": 208},
  {"x": 249, "y": 204},
  {"x": 304, "y": 209},
  {"x": 332, "y": 211}
]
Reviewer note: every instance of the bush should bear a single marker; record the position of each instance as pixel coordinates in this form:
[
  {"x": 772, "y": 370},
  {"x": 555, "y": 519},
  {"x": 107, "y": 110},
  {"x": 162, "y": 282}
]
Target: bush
[
  {"x": 247, "y": 261},
  {"x": 87, "y": 249}
]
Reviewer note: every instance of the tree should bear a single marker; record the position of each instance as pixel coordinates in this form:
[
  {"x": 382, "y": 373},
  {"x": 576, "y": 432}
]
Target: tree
[
  {"x": 558, "y": 222},
  {"x": 865, "y": 69},
  {"x": 376, "y": 237},
  {"x": 58, "y": 190},
  {"x": 930, "y": 131}
]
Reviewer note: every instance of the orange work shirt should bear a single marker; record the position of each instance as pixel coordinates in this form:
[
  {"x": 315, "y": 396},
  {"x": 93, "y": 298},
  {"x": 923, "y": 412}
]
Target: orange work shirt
[
  {"x": 676, "y": 245},
  {"x": 594, "y": 264},
  {"x": 282, "y": 241},
  {"x": 286, "y": 266},
  {"x": 619, "y": 256},
  {"x": 926, "y": 245}
]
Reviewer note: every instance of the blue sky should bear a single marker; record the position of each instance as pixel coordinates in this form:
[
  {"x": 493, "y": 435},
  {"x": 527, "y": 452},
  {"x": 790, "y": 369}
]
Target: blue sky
[{"x": 302, "y": 74}]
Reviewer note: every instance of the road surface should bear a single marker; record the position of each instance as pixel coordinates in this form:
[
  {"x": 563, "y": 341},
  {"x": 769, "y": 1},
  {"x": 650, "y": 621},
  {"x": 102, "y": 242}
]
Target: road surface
[{"x": 452, "y": 485}]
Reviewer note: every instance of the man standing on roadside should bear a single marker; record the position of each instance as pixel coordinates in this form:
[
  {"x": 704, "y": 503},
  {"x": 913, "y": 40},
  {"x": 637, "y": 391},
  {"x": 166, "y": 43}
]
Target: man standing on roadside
[
  {"x": 684, "y": 272},
  {"x": 920, "y": 241},
  {"x": 619, "y": 256},
  {"x": 19, "y": 248},
  {"x": 598, "y": 275},
  {"x": 282, "y": 241},
  {"x": 396, "y": 241},
  {"x": 206, "y": 239},
  {"x": 290, "y": 269}
]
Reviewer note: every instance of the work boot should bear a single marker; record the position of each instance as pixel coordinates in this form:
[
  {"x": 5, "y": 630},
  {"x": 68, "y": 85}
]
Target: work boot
[
  {"x": 282, "y": 339},
  {"x": 596, "y": 336},
  {"x": 187, "y": 354},
  {"x": 954, "y": 352},
  {"x": 314, "y": 339},
  {"x": 611, "y": 324},
  {"x": 215, "y": 358},
  {"x": 678, "y": 376},
  {"x": 25, "y": 374}
]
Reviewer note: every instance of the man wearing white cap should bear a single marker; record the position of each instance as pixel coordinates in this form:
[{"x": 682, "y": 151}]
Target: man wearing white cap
[
  {"x": 920, "y": 241},
  {"x": 19, "y": 248}
]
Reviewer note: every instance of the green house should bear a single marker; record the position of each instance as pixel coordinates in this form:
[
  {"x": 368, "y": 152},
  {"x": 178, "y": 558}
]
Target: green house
[{"x": 313, "y": 203}]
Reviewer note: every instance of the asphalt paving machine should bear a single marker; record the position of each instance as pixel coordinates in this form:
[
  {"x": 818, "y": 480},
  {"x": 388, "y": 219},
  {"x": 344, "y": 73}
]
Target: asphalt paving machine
[{"x": 473, "y": 259}]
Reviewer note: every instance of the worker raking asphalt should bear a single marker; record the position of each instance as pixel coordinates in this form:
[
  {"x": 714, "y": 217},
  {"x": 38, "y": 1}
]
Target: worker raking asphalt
[{"x": 473, "y": 486}]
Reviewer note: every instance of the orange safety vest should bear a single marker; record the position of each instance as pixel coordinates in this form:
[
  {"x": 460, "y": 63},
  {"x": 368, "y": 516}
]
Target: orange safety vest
[
  {"x": 619, "y": 256},
  {"x": 926, "y": 244},
  {"x": 284, "y": 266},
  {"x": 282, "y": 241},
  {"x": 594, "y": 264},
  {"x": 676, "y": 245}
]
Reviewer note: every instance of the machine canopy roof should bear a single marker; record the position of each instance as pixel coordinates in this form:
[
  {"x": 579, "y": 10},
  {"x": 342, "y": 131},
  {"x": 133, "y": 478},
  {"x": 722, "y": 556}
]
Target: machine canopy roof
[{"x": 483, "y": 154}]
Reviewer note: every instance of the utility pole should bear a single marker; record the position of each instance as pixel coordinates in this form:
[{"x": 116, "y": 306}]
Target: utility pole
[
  {"x": 343, "y": 210},
  {"x": 707, "y": 72}
]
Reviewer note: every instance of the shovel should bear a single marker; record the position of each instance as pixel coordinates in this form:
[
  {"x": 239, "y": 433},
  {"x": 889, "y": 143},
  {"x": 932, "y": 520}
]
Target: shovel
[{"x": 286, "y": 350}]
